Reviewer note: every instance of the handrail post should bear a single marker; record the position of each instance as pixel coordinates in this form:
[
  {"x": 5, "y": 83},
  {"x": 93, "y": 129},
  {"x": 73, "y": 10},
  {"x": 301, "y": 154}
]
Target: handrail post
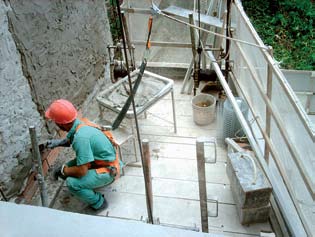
[{"x": 268, "y": 111}]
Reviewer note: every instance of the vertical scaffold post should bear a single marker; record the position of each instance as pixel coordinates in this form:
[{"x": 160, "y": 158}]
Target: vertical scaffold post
[
  {"x": 40, "y": 174},
  {"x": 202, "y": 183},
  {"x": 147, "y": 178}
]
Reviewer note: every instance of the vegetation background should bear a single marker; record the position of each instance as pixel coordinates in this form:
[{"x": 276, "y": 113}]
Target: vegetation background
[{"x": 287, "y": 26}]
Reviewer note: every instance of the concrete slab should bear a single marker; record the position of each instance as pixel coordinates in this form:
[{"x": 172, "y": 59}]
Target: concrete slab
[
  {"x": 172, "y": 188},
  {"x": 17, "y": 220},
  {"x": 181, "y": 131},
  {"x": 182, "y": 170},
  {"x": 184, "y": 151},
  {"x": 229, "y": 222},
  {"x": 161, "y": 119},
  {"x": 174, "y": 177}
]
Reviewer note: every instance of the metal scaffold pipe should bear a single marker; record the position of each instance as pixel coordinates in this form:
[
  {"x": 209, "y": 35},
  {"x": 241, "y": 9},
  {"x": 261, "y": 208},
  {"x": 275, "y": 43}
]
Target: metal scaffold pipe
[
  {"x": 147, "y": 178},
  {"x": 40, "y": 174}
]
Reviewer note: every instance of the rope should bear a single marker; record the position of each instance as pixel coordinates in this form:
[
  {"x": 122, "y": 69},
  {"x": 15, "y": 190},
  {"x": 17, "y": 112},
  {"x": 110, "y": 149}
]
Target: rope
[{"x": 158, "y": 11}]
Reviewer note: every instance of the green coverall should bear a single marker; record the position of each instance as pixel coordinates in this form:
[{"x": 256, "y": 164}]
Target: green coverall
[{"x": 89, "y": 144}]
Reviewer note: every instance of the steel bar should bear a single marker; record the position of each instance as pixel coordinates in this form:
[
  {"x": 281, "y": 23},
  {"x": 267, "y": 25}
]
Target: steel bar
[
  {"x": 130, "y": 87},
  {"x": 125, "y": 25},
  {"x": 268, "y": 112},
  {"x": 202, "y": 183},
  {"x": 227, "y": 41},
  {"x": 147, "y": 178},
  {"x": 278, "y": 121},
  {"x": 40, "y": 173},
  {"x": 174, "y": 114},
  {"x": 163, "y": 44}
]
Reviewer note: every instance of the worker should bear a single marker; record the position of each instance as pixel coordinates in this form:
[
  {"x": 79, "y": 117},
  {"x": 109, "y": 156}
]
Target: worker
[{"x": 96, "y": 163}]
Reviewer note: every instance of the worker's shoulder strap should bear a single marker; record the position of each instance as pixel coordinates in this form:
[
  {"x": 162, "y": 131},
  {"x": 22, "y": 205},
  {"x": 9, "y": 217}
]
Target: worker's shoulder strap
[{"x": 108, "y": 134}]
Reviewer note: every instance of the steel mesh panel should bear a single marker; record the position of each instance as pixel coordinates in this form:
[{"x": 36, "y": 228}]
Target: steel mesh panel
[{"x": 231, "y": 125}]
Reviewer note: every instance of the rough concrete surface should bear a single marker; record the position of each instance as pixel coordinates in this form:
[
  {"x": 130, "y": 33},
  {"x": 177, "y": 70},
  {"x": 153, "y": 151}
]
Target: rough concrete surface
[
  {"x": 17, "y": 110},
  {"x": 63, "y": 45},
  {"x": 48, "y": 50}
]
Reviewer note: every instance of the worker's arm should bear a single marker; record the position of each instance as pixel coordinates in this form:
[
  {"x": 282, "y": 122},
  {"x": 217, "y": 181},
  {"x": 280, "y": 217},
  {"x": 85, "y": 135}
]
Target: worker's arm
[
  {"x": 75, "y": 171},
  {"x": 58, "y": 142}
]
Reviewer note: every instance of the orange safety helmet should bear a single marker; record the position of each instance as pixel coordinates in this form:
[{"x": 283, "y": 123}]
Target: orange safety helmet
[{"x": 61, "y": 111}]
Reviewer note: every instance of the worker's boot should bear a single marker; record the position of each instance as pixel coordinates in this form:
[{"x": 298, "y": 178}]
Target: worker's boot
[{"x": 101, "y": 208}]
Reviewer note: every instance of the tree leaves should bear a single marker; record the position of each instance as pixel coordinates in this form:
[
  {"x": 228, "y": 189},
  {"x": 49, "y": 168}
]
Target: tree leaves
[{"x": 288, "y": 26}]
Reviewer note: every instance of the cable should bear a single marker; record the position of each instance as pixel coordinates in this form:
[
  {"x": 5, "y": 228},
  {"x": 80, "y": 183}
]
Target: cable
[{"x": 158, "y": 11}]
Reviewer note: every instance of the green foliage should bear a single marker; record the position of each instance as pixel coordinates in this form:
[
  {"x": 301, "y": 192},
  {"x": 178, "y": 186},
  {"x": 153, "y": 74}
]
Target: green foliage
[
  {"x": 288, "y": 26},
  {"x": 113, "y": 20}
]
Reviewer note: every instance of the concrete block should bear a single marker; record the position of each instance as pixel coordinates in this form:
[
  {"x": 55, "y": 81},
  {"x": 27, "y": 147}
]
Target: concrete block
[
  {"x": 250, "y": 190},
  {"x": 253, "y": 215}
]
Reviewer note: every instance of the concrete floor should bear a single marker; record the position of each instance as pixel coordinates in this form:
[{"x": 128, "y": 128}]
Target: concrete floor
[{"x": 174, "y": 175}]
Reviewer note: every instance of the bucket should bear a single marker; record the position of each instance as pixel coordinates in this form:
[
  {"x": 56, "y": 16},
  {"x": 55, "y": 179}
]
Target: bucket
[{"x": 203, "y": 108}]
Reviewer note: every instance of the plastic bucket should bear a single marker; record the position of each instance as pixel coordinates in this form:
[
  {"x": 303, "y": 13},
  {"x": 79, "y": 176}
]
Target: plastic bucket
[{"x": 203, "y": 108}]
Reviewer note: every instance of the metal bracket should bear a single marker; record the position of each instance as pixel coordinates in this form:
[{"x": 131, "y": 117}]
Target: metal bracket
[
  {"x": 216, "y": 201},
  {"x": 213, "y": 141}
]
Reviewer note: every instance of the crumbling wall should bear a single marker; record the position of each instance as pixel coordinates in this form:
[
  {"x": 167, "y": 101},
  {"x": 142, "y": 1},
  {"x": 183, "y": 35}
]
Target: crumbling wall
[
  {"x": 17, "y": 110},
  {"x": 48, "y": 50},
  {"x": 62, "y": 46}
]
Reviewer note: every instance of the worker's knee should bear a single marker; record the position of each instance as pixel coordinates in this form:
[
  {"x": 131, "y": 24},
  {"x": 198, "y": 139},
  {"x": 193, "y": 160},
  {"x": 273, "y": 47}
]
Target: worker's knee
[{"x": 72, "y": 184}]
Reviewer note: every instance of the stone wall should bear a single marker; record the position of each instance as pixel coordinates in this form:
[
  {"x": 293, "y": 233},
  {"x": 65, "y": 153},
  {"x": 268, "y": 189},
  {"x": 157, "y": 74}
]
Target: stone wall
[
  {"x": 62, "y": 46},
  {"x": 48, "y": 50}
]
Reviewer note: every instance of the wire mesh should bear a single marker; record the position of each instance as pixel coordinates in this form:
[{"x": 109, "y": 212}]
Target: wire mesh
[{"x": 231, "y": 126}]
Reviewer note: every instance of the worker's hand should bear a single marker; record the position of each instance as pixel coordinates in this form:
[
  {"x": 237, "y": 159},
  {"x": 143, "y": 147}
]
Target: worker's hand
[
  {"x": 57, "y": 142},
  {"x": 58, "y": 172}
]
